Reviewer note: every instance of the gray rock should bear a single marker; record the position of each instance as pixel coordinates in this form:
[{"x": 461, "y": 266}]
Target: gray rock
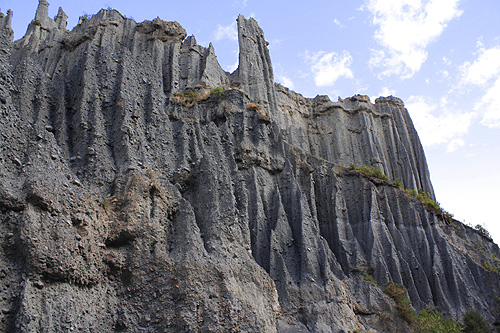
[
  {"x": 154, "y": 216},
  {"x": 254, "y": 74}
]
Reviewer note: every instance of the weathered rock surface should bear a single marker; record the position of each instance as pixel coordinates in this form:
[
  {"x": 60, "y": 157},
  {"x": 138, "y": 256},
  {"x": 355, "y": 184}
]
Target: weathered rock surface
[{"x": 123, "y": 210}]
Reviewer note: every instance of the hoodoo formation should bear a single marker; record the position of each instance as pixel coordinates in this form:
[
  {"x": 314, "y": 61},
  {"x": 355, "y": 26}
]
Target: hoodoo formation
[{"x": 145, "y": 189}]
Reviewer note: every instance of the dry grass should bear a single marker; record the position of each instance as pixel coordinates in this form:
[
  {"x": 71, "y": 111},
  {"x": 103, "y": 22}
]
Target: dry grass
[
  {"x": 262, "y": 115},
  {"x": 190, "y": 97}
]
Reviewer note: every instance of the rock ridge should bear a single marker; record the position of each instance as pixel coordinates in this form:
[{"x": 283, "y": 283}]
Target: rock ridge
[{"x": 124, "y": 209}]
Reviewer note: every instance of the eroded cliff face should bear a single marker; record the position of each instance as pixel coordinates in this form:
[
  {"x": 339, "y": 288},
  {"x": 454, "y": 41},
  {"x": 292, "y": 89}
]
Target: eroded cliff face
[{"x": 124, "y": 210}]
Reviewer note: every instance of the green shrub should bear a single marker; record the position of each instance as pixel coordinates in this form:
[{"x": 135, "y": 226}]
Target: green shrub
[
  {"x": 489, "y": 267},
  {"x": 217, "y": 92},
  {"x": 368, "y": 278},
  {"x": 411, "y": 192},
  {"x": 398, "y": 294},
  {"x": 374, "y": 172},
  {"x": 398, "y": 183},
  {"x": 432, "y": 321},
  {"x": 427, "y": 200},
  {"x": 479, "y": 248},
  {"x": 447, "y": 215},
  {"x": 187, "y": 98},
  {"x": 482, "y": 230},
  {"x": 370, "y": 171},
  {"x": 474, "y": 323}
]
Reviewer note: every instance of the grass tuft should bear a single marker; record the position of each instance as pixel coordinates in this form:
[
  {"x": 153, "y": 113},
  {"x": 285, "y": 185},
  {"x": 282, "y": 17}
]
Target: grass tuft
[
  {"x": 403, "y": 305},
  {"x": 432, "y": 321}
]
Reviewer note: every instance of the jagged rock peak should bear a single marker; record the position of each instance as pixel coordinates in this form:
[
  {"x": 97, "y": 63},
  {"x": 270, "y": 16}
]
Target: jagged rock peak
[
  {"x": 42, "y": 12},
  {"x": 255, "y": 71},
  {"x": 42, "y": 17},
  {"x": 61, "y": 19},
  {"x": 6, "y": 20}
]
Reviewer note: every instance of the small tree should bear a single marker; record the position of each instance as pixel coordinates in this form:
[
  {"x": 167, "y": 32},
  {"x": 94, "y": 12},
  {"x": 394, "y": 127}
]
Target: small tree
[
  {"x": 475, "y": 323},
  {"x": 482, "y": 230}
]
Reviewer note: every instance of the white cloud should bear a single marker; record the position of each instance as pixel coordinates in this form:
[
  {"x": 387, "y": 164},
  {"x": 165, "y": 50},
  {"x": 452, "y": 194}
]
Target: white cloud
[
  {"x": 405, "y": 29},
  {"x": 329, "y": 67},
  {"x": 386, "y": 91},
  {"x": 286, "y": 81},
  {"x": 445, "y": 74},
  {"x": 436, "y": 124},
  {"x": 226, "y": 32},
  {"x": 337, "y": 22},
  {"x": 234, "y": 66},
  {"x": 485, "y": 67},
  {"x": 454, "y": 145},
  {"x": 484, "y": 73},
  {"x": 489, "y": 106}
]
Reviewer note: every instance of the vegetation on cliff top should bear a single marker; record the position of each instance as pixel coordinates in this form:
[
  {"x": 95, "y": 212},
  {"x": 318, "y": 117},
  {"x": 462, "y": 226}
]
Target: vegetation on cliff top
[{"x": 423, "y": 197}]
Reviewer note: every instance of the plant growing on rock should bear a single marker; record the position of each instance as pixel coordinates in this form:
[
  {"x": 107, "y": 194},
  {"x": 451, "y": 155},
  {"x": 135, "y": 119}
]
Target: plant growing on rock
[
  {"x": 262, "y": 115},
  {"x": 105, "y": 204},
  {"x": 474, "y": 323},
  {"x": 187, "y": 98},
  {"x": 423, "y": 197},
  {"x": 398, "y": 183},
  {"x": 370, "y": 171},
  {"x": 253, "y": 106},
  {"x": 432, "y": 321},
  {"x": 489, "y": 267},
  {"x": 217, "y": 92},
  {"x": 479, "y": 248},
  {"x": 398, "y": 293},
  {"x": 369, "y": 278},
  {"x": 482, "y": 230}
]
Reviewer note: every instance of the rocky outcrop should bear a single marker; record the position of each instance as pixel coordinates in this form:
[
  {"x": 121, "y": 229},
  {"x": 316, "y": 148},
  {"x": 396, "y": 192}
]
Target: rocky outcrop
[
  {"x": 254, "y": 74},
  {"x": 124, "y": 209}
]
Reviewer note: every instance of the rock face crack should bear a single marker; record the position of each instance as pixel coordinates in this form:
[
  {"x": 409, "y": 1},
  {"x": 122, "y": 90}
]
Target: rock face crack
[{"x": 233, "y": 212}]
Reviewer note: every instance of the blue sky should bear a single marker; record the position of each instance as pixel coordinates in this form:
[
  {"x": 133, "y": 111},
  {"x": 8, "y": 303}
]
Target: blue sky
[{"x": 442, "y": 57}]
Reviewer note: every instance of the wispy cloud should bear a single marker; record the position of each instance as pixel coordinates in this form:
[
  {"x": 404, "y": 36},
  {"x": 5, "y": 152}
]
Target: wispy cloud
[
  {"x": 485, "y": 67},
  {"x": 484, "y": 73},
  {"x": 385, "y": 91},
  {"x": 436, "y": 123},
  {"x": 234, "y": 66},
  {"x": 404, "y": 29},
  {"x": 329, "y": 67},
  {"x": 489, "y": 106},
  {"x": 226, "y": 32},
  {"x": 286, "y": 81},
  {"x": 337, "y": 22}
]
